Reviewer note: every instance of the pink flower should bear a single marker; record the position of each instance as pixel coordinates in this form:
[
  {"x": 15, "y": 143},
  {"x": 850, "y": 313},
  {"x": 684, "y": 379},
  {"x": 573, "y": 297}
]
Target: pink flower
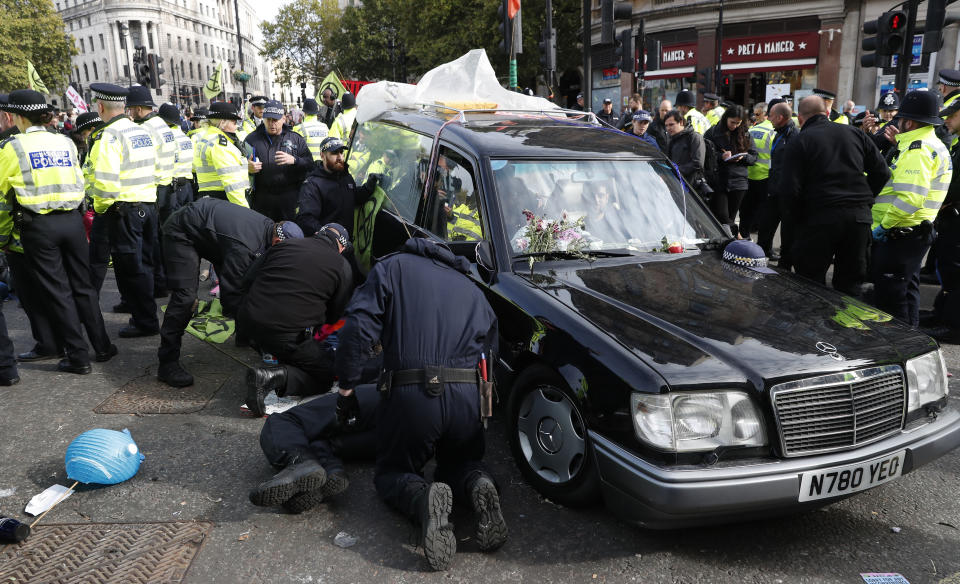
[
  {"x": 528, "y": 214},
  {"x": 522, "y": 244}
]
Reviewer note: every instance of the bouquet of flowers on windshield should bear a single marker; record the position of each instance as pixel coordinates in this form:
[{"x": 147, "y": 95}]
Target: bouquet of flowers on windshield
[{"x": 542, "y": 235}]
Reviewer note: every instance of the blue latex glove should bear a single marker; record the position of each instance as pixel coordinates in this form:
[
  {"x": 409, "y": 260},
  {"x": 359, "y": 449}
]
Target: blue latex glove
[{"x": 880, "y": 234}]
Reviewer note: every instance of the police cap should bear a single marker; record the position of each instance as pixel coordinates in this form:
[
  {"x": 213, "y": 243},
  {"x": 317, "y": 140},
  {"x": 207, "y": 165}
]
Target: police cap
[
  {"x": 332, "y": 144},
  {"x": 258, "y": 100},
  {"x": 711, "y": 97},
  {"x": 311, "y": 107},
  {"x": 288, "y": 230},
  {"x": 199, "y": 114},
  {"x": 685, "y": 98},
  {"x": 337, "y": 233},
  {"x": 824, "y": 93},
  {"x": 25, "y": 101},
  {"x": 169, "y": 113},
  {"x": 889, "y": 101},
  {"x": 139, "y": 95},
  {"x": 223, "y": 110},
  {"x": 273, "y": 110},
  {"x": 921, "y": 106},
  {"x": 949, "y": 77},
  {"x": 950, "y": 109},
  {"x": 108, "y": 92},
  {"x": 774, "y": 102},
  {"x": 88, "y": 120}
]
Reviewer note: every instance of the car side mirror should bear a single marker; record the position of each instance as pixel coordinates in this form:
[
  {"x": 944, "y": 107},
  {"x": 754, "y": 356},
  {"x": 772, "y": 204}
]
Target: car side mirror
[{"x": 486, "y": 264}]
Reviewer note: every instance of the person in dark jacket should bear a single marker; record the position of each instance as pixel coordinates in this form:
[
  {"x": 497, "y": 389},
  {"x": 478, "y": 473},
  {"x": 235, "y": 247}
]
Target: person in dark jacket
[
  {"x": 946, "y": 247},
  {"x": 329, "y": 194},
  {"x": 776, "y": 212},
  {"x": 283, "y": 306},
  {"x": 657, "y": 129},
  {"x": 431, "y": 402},
  {"x": 735, "y": 153},
  {"x": 831, "y": 174},
  {"x": 231, "y": 237},
  {"x": 639, "y": 127},
  {"x": 686, "y": 149},
  {"x": 285, "y": 159},
  {"x": 606, "y": 114}
]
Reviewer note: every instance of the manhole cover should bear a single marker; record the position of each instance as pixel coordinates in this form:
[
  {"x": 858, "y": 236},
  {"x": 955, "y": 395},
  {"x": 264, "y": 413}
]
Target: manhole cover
[
  {"x": 104, "y": 552},
  {"x": 146, "y": 395}
]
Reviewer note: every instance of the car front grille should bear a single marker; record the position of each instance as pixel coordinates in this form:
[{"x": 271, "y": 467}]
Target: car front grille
[{"x": 838, "y": 411}]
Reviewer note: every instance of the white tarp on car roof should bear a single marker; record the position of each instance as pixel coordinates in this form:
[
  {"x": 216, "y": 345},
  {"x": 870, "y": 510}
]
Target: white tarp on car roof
[{"x": 468, "y": 83}]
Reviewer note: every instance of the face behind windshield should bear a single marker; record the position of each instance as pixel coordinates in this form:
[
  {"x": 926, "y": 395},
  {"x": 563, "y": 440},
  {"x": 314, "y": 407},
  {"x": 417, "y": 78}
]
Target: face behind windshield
[{"x": 623, "y": 203}]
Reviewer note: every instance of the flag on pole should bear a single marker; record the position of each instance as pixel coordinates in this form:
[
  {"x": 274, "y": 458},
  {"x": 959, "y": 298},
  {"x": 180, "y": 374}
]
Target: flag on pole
[
  {"x": 33, "y": 79},
  {"x": 331, "y": 82},
  {"x": 214, "y": 86}
]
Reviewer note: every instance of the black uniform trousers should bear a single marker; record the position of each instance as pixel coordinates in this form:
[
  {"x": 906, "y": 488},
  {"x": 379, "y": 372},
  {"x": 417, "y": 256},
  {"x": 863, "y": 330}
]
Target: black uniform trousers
[
  {"x": 99, "y": 251},
  {"x": 751, "y": 209},
  {"x": 311, "y": 430},
  {"x": 8, "y": 361},
  {"x": 895, "y": 269},
  {"x": 54, "y": 244},
  {"x": 28, "y": 290},
  {"x": 946, "y": 250},
  {"x": 282, "y": 207},
  {"x": 182, "y": 268},
  {"x": 776, "y": 213},
  {"x": 412, "y": 427},
  {"x": 309, "y": 363},
  {"x": 843, "y": 243},
  {"x": 132, "y": 229},
  {"x": 166, "y": 204}
]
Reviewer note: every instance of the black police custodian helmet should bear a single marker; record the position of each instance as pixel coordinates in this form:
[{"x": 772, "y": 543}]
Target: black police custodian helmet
[
  {"x": 921, "y": 106},
  {"x": 686, "y": 98},
  {"x": 348, "y": 101}
]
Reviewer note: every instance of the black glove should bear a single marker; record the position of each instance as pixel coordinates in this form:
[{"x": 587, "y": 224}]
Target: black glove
[
  {"x": 348, "y": 409},
  {"x": 372, "y": 181}
]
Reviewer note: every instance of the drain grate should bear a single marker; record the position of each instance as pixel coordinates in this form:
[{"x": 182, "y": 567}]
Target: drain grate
[
  {"x": 146, "y": 395},
  {"x": 104, "y": 552}
]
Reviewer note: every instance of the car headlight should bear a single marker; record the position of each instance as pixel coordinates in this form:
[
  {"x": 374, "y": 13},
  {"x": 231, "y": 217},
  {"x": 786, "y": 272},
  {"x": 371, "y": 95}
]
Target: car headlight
[
  {"x": 701, "y": 421},
  {"x": 926, "y": 380}
]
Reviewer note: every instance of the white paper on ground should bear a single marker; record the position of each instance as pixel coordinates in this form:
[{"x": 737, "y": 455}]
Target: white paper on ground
[
  {"x": 274, "y": 405},
  {"x": 8, "y": 492},
  {"x": 45, "y": 500},
  {"x": 470, "y": 78}
]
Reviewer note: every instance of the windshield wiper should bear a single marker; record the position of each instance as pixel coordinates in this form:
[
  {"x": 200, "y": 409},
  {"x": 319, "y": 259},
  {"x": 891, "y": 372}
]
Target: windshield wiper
[{"x": 560, "y": 254}]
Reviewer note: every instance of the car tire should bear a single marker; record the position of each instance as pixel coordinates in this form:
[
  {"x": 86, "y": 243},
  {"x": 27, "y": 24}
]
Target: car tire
[{"x": 549, "y": 441}]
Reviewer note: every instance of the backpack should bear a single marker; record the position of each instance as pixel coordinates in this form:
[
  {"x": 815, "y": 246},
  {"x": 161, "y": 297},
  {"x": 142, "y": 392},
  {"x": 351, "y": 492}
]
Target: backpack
[{"x": 711, "y": 166}]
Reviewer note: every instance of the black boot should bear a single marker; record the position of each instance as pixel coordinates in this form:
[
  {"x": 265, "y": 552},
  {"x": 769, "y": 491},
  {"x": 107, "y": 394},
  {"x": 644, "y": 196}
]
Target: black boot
[
  {"x": 439, "y": 543},
  {"x": 337, "y": 482},
  {"x": 260, "y": 382},
  {"x": 174, "y": 374},
  {"x": 299, "y": 476},
  {"x": 491, "y": 527}
]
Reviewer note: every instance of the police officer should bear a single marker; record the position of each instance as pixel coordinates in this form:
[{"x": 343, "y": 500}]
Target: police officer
[
  {"x": 285, "y": 161},
  {"x": 431, "y": 400},
  {"x": 312, "y": 129},
  {"x": 828, "y": 98},
  {"x": 231, "y": 237},
  {"x": 888, "y": 105},
  {"x": 218, "y": 161},
  {"x": 712, "y": 110},
  {"x": 42, "y": 183},
  {"x": 283, "y": 306},
  {"x": 182, "y": 163},
  {"x": 122, "y": 183},
  {"x": 829, "y": 179},
  {"x": 762, "y": 135},
  {"x": 343, "y": 124},
  {"x": 196, "y": 122},
  {"x": 686, "y": 104},
  {"x": 921, "y": 170},
  {"x": 257, "y": 103}
]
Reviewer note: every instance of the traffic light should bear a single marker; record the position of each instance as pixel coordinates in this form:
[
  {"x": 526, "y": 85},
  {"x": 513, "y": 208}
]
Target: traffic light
[
  {"x": 506, "y": 32},
  {"x": 624, "y": 51},
  {"x": 933, "y": 35},
  {"x": 548, "y": 49},
  {"x": 757, "y": 89},
  {"x": 141, "y": 68},
  {"x": 726, "y": 84},
  {"x": 156, "y": 70},
  {"x": 610, "y": 12},
  {"x": 889, "y": 30},
  {"x": 704, "y": 78}
]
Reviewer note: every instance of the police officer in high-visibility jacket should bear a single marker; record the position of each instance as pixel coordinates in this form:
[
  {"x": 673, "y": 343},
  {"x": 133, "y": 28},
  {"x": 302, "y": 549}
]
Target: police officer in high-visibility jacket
[
  {"x": 123, "y": 187},
  {"x": 257, "y": 103},
  {"x": 762, "y": 135},
  {"x": 312, "y": 129},
  {"x": 920, "y": 173},
  {"x": 344, "y": 123},
  {"x": 712, "y": 110},
  {"x": 42, "y": 184},
  {"x": 182, "y": 162},
  {"x": 686, "y": 103},
  {"x": 828, "y": 98},
  {"x": 218, "y": 160}
]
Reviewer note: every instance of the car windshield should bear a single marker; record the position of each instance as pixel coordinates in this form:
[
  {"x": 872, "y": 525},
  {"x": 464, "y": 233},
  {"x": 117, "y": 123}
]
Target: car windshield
[{"x": 623, "y": 203}]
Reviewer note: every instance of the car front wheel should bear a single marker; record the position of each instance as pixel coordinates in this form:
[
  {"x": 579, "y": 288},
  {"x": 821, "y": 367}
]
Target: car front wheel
[{"x": 549, "y": 440}]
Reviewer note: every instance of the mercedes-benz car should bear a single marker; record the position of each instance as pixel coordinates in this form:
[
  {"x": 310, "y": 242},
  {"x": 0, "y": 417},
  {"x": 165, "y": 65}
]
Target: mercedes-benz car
[{"x": 636, "y": 363}]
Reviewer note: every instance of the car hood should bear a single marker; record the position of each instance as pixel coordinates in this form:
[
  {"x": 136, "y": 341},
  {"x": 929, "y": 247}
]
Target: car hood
[{"x": 701, "y": 321}]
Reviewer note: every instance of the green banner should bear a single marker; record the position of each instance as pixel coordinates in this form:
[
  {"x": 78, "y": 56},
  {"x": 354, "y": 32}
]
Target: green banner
[{"x": 363, "y": 221}]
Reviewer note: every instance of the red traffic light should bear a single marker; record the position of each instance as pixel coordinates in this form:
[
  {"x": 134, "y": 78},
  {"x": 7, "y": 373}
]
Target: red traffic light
[{"x": 896, "y": 21}]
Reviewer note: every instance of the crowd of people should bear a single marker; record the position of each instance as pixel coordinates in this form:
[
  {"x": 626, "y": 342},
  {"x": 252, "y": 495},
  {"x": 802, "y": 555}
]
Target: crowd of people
[
  {"x": 869, "y": 194},
  {"x": 259, "y": 196}
]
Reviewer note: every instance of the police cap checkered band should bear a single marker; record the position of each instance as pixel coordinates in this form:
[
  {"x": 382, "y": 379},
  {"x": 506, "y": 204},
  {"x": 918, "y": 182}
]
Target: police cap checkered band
[
  {"x": 336, "y": 232},
  {"x": 332, "y": 144},
  {"x": 744, "y": 261},
  {"x": 23, "y": 101},
  {"x": 87, "y": 120},
  {"x": 746, "y": 254},
  {"x": 288, "y": 230},
  {"x": 109, "y": 92},
  {"x": 258, "y": 100},
  {"x": 949, "y": 77},
  {"x": 824, "y": 93}
]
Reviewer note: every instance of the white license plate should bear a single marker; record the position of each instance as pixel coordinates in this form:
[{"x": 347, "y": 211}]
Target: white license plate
[{"x": 843, "y": 480}]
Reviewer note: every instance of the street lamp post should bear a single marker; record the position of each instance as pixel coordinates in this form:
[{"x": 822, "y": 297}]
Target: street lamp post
[{"x": 236, "y": 13}]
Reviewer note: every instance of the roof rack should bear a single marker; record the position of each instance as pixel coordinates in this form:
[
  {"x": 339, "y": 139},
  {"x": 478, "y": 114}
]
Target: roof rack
[{"x": 554, "y": 114}]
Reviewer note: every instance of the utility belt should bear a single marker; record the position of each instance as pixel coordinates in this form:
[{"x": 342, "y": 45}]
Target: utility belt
[
  {"x": 178, "y": 182},
  {"x": 124, "y": 207},
  {"x": 23, "y": 217},
  {"x": 433, "y": 379},
  {"x": 915, "y": 231},
  {"x": 222, "y": 195}
]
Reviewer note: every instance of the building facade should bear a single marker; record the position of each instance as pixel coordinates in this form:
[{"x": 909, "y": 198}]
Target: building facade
[
  {"x": 768, "y": 48},
  {"x": 191, "y": 36}
]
